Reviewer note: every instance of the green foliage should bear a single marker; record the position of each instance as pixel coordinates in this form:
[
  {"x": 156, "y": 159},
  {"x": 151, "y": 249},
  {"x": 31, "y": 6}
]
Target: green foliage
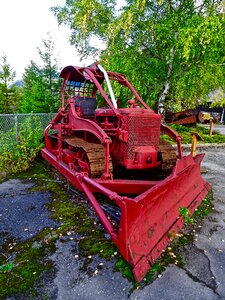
[
  {"x": 185, "y": 213},
  {"x": 218, "y": 98},
  {"x": 85, "y": 18},
  {"x": 170, "y": 50},
  {"x": 9, "y": 94},
  {"x": 29, "y": 262},
  {"x": 41, "y": 88},
  {"x": 124, "y": 268},
  {"x": 30, "y": 258},
  {"x": 22, "y": 274},
  {"x": 19, "y": 147},
  {"x": 185, "y": 133},
  {"x": 7, "y": 267},
  {"x": 205, "y": 208}
]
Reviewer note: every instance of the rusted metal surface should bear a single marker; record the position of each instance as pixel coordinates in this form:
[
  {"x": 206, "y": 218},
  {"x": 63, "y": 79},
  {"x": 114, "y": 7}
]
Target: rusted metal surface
[
  {"x": 118, "y": 152},
  {"x": 186, "y": 117},
  {"x": 195, "y": 137},
  {"x": 191, "y": 116}
]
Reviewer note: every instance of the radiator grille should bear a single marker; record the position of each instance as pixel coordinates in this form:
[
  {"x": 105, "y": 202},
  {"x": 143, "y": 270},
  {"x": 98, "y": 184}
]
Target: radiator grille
[{"x": 142, "y": 131}]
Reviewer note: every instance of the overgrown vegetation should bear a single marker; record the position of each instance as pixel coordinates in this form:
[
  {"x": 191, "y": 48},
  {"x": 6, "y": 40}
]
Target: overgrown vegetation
[
  {"x": 20, "y": 146},
  {"x": 22, "y": 263},
  {"x": 185, "y": 133},
  {"x": 26, "y": 265}
]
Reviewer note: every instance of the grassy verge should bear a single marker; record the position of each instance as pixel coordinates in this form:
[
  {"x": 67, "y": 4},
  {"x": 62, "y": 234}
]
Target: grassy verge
[{"x": 185, "y": 133}]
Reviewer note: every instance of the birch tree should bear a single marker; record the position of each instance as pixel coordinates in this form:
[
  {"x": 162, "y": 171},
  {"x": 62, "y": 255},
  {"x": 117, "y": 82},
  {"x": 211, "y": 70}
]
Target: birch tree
[{"x": 172, "y": 51}]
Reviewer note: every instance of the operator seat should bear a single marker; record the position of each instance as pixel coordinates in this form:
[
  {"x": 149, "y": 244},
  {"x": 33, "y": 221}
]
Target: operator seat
[{"x": 87, "y": 106}]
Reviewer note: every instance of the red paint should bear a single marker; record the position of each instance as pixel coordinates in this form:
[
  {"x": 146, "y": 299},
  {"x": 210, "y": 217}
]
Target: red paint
[{"x": 130, "y": 137}]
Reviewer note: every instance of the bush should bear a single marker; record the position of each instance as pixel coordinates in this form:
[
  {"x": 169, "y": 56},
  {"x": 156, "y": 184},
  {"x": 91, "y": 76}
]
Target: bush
[
  {"x": 18, "y": 151},
  {"x": 185, "y": 133}
]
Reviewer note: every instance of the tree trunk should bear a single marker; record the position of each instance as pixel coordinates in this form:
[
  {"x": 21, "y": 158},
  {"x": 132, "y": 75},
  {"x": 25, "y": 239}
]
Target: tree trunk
[
  {"x": 165, "y": 91},
  {"x": 166, "y": 88}
]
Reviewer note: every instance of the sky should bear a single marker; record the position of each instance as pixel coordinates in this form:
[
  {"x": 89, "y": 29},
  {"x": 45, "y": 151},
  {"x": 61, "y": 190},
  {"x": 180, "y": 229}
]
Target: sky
[{"x": 23, "y": 26}]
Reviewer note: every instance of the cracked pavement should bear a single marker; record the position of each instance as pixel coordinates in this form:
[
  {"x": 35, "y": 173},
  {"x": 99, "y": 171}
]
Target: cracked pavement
[
  {"x": 203, "y": 273},
  {"x": 202, "y": 277}
]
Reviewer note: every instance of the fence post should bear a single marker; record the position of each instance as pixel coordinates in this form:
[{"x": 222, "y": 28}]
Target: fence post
[{"x": 16, "y": 126}]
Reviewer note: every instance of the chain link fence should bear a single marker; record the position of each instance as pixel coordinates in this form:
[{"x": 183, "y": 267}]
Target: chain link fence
[{"x": 16, "y": 121}]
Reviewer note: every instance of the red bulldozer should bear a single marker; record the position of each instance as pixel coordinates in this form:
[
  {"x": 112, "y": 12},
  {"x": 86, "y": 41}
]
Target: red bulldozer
[{"x": 101, "y": 147}]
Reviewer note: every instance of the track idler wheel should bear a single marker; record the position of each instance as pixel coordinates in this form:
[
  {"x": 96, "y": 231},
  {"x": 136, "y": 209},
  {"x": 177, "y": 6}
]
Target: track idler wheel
[
  {"x": 168, "y": 155},
  {"x": 77, "y": 160},
  {"x": 94, "y": 156}
]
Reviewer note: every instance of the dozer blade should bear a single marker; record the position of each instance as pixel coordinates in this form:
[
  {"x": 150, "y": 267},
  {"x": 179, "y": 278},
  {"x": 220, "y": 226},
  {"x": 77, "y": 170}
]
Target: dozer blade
[{"x": 149, "y": 221}]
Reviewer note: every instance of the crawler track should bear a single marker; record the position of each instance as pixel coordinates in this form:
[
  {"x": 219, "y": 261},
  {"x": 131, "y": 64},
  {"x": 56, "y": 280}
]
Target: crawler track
[
  {"x": 95, "y": 153},
  {"x": 168, "y": 154}
]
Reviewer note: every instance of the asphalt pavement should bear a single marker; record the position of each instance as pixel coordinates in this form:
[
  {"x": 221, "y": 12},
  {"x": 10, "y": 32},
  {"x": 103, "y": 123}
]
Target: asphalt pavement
[
  {"x": 218, "y": 127},
  {"x": 24, "y": 213}
]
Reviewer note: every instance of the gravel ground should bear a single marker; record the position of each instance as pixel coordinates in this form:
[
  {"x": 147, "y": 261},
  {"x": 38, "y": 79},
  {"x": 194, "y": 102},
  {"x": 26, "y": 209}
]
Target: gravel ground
[{"x": 23, "y": 214}]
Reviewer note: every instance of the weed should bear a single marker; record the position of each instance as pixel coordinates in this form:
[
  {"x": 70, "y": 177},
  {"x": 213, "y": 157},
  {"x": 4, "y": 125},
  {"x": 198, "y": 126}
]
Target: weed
[
  {"x": 30, "y": 258},
  {"x": 185, "y": 213}
]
